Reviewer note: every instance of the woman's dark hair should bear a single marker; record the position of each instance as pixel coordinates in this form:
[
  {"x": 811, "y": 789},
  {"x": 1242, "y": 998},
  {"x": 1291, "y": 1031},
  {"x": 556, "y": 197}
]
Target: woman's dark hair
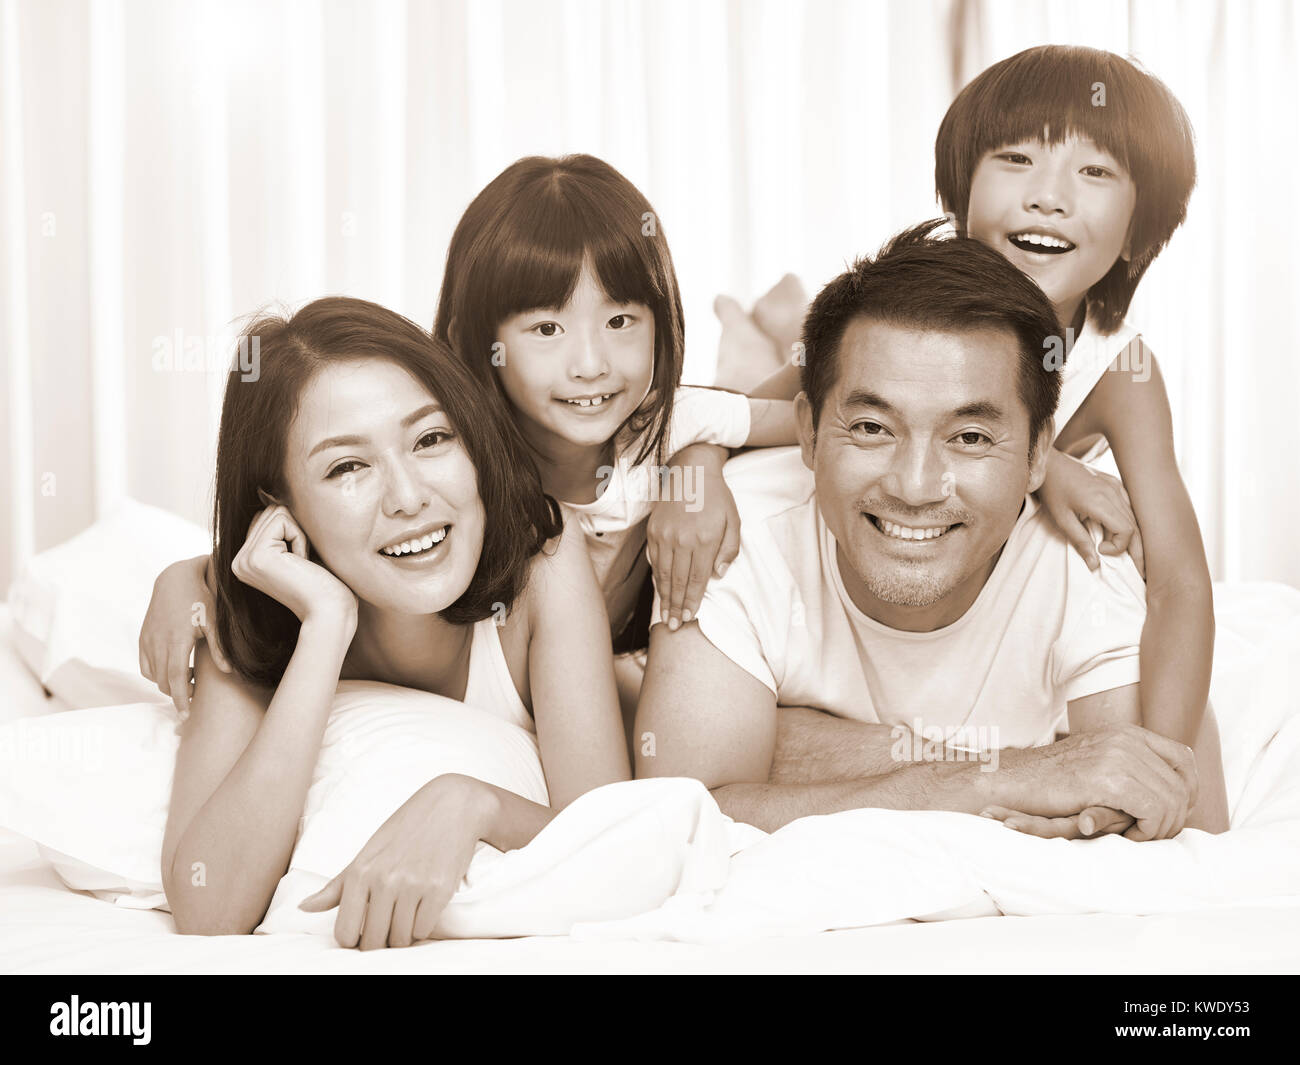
[
  {"x": 520, "y": 246},
  {"x": 1086, "y": 92},
  {"x": 258, "y": 633},
  {"x": 927, "y": 282}
]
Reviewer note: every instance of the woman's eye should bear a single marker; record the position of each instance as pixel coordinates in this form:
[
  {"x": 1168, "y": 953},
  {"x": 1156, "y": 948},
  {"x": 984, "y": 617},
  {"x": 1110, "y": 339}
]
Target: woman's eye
[
  {"x": 547, "y": 329},
  {"x": 434, "y": 437},
  {"x": 343, "y": 467},
  {"x": 971, "y": 438}
]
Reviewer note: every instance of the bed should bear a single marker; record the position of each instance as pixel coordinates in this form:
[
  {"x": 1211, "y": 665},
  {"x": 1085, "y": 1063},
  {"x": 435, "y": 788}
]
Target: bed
[{"x": 45, "y": 928}]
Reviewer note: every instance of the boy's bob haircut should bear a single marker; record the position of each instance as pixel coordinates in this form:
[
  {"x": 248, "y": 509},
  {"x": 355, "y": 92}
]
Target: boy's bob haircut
[
  {"x": 1052, "y": 88},
  {"x": 520, "y": 246}
]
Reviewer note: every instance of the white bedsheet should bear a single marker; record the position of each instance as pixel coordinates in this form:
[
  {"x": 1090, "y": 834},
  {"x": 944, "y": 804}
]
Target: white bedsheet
[{"x": 775, "y": 886}]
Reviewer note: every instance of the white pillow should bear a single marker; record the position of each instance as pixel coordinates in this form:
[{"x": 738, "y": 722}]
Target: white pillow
[
  {"x": 78, "y": 607},
  {"x": 91, "y": 787}
]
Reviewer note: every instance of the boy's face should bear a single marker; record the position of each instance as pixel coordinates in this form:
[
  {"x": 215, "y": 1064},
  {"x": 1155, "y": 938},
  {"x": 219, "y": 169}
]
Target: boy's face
[{"x": 1062, "y": 214}]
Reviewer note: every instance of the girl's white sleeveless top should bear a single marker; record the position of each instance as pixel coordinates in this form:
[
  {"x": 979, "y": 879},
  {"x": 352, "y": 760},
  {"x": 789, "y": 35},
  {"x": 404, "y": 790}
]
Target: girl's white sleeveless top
[
  {"x": 490, "y": 685},
  {"x": 1088, "y": 359}
]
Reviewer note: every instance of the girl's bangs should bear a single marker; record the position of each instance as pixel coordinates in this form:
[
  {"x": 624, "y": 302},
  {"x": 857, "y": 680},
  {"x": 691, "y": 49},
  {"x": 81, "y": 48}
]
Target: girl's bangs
[{"x": 538, "y": 264}]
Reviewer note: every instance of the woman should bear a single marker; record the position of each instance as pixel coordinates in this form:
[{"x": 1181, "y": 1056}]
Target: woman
[{"x": 375, "y": 520}]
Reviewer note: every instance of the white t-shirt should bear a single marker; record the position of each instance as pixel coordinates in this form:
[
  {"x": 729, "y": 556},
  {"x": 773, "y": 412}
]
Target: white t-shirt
[
  {"x": 1044, "y": 629},
  {"x": 700, "y": 416}
]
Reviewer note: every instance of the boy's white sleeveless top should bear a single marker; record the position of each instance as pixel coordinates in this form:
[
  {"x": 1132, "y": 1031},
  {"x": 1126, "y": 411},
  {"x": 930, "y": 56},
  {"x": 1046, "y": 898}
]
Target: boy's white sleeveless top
[
  {"x": 1088, "y": 359},
  {"x": 490, "y": 685}
]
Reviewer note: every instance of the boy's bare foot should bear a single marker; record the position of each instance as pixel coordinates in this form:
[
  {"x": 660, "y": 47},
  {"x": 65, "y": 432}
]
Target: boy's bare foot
[
  {"x": 746, "y": 355},
  {"x": 780, "y": 311}
]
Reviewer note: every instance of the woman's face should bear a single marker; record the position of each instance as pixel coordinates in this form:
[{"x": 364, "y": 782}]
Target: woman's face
[{"x": 382, "y": 486}]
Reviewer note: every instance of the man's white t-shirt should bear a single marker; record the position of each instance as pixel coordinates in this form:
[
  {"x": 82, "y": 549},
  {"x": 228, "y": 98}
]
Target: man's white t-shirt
[
  {"x": 1044, "y": 629},
  {"x": 629, "y": 492}
]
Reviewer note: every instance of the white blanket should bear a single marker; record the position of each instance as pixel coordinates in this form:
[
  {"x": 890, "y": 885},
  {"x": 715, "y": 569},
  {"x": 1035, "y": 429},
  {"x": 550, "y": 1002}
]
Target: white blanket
[{"x": 657, "y": 860}]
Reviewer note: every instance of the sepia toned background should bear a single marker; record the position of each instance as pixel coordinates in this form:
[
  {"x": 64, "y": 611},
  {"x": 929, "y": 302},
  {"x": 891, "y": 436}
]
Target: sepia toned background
[{"x": 169, "y": 166}]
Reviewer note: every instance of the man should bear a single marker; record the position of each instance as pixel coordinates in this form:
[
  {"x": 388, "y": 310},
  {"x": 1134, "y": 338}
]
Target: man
[{"x": 912, "y": 584}]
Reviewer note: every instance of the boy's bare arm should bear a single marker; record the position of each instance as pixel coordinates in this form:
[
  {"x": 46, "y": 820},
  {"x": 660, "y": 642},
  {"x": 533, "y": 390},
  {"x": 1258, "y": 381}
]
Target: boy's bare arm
[{"x": 1131, "y": 409}]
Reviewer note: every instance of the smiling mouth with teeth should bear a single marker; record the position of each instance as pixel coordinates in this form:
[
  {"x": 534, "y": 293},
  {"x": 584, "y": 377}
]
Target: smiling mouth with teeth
[
  {"x": 595, "y": 401},
  {"x": 909, "y": 532},
  {"x": 1040, "y": 243},
  {"x": 416, "y": 547}
]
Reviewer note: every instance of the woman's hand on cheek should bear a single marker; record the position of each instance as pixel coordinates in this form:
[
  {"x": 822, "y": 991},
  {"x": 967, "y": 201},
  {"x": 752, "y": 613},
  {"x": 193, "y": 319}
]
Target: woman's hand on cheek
[
  {"x": 274, "y": 560},
  {"x": 693, "y": 534},
  {"x": 396, "y": 888}
]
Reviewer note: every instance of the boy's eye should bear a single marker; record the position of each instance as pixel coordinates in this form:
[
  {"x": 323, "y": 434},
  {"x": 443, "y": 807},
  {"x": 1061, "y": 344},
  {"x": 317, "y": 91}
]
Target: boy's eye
[
  {"x": 1015, "y": 157},
  {"x": 547, "y": 329},
  {"x": 1096, "y": 171}
]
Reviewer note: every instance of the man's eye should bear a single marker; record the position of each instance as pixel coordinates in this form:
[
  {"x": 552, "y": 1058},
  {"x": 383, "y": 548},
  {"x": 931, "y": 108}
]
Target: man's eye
[
  {"x": 868, "y": 428},
  {"x": 546, "y": 329},
  {"x": 342, "y": 468},
  {"x": 434, "y": 437},
  {"x": 971, "y": 438}
]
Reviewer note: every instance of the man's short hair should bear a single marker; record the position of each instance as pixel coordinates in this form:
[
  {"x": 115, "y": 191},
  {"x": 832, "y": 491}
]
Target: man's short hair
[{"x": 956, "y": 284}]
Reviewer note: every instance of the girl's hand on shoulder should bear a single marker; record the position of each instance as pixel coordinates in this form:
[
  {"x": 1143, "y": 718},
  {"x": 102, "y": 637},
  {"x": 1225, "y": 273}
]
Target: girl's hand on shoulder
[
  {"x": 1073, "y": 492},
  {"x": 690, "y": 541},
  {"x": 181, "y": 612},
  {"x": 394, "y": 891},
  {"x": 275, "y": 560}
]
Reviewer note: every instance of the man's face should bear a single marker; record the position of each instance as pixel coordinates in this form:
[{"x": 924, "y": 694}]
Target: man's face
[{"x": 922, "y": 463}]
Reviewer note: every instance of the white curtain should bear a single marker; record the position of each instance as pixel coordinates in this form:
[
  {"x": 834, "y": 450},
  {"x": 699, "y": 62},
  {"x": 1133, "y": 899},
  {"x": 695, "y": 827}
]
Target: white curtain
[{"x": 169, "y": 166}]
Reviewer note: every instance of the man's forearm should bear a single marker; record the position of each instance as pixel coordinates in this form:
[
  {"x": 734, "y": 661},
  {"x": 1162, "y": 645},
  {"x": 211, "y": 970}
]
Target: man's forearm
[
  {"x": 814, "y": 747},
  {"x": 956, "y": 786}
]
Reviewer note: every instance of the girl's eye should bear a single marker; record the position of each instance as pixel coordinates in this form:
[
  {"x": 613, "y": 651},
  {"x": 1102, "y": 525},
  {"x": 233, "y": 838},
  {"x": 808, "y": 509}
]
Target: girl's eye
[
  {"x": 342, "y": 468},
  {"x": 547, "y": 329},
  {"x": 1096, "y": 171},
  {"x": 620, "y": 321},
  {"x": 434, "y": 437},
  {"x": 971, "y": 438},
  {"x": 1015, "y": 157}
]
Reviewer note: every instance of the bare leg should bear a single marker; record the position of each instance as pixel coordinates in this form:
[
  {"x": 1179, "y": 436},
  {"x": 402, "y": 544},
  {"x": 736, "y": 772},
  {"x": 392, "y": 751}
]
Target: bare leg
[
  {"x": 780, "y": 312},
  {"x": 746, "y": 354}
]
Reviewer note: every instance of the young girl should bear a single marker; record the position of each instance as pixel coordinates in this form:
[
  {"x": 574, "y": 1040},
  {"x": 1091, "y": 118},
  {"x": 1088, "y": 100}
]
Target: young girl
[
  {"x": 370, "y": 517},
  {"x": 1077, "y": 166},
  {"x": 559, "y": 292}
]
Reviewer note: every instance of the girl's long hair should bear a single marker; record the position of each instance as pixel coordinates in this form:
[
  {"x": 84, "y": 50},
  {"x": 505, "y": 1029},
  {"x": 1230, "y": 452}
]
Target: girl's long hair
[{"x": 521, "y": 245}]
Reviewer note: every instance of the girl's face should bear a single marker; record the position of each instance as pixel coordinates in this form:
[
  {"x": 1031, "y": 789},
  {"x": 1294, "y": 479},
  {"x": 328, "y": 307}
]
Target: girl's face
[
  {"x": 372, "y": 464},
  {"x": 576, "y": 373},
  {"x": 1062, "y": 213}
]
